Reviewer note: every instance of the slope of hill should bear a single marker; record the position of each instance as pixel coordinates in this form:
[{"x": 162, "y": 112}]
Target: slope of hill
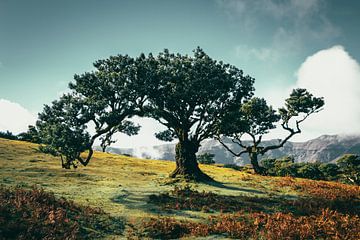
[
  {"x": 326, "y": 148},
  {"x": 139, "y": 190}
]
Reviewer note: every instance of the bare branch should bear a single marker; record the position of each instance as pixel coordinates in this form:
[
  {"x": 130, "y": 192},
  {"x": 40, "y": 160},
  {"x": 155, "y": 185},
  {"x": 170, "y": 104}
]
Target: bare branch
[
  {"x": 281, "y": 144},
  {"x": 229, "y": 149},
  {"x": 259, "y": 140},
  {"x": 238, "y": 141}
]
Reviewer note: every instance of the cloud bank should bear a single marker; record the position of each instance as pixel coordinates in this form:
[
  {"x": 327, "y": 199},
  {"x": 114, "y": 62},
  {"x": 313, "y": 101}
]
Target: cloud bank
[
  {"x": 14, "y": 117},
  {"x": 333, "y": 74}
]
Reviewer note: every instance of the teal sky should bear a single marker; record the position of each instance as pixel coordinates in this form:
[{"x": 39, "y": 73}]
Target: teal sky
[{"x": 44, "y": 43}]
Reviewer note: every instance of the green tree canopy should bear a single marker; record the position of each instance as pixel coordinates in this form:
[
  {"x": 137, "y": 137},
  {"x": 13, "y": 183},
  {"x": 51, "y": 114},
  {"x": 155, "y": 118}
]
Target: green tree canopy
[
  {"x": 105, "y": 98},
  {"x": 189, "y": 95}
]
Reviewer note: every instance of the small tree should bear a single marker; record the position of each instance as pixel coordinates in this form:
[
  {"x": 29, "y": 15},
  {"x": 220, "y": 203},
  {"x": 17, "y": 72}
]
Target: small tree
[
  {"x": 105, "y": 98},
  {"x": 206, "y": 158},
  {"x": 255, "y": 118},
  {"x": 63, "y": 132}
]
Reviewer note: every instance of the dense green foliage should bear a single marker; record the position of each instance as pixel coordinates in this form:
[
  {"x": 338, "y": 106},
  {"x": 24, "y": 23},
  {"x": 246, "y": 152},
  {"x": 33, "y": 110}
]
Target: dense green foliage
[
  {"x": 286, "y": 167},
  {"x": 104, "y": 98},
  {"x": 62, "y": 131},
  {"x": 189, "y": 95}
]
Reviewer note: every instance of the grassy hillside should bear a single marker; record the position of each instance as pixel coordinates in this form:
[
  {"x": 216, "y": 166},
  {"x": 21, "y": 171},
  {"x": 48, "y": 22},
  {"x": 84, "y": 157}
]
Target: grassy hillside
[{"x": 139, "y": 190}]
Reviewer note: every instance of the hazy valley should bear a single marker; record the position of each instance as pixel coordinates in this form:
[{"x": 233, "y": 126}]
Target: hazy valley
[{"x": 326, "y": 148}]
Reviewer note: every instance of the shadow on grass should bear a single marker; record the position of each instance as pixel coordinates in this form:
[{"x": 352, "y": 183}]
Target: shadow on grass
[
  {"x": 133, "y": 200},
  {"x": 189, "y": 199},
  {"x": 141, "y": 202},
  {"x": 223, "y": 186}
]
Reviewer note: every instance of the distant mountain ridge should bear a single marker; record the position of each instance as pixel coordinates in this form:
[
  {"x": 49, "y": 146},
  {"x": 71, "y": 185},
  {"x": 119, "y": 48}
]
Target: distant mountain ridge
[{"x": 326, "y": 148}]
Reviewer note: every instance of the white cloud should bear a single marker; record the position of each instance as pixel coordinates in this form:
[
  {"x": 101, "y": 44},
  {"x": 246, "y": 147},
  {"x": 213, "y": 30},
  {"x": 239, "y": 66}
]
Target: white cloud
[
  {"x": 333, "y": 74},
  {"x": 14, "y": 117}
]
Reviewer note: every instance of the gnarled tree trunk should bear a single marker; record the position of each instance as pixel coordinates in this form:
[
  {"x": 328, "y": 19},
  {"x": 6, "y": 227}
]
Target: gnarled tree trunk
[
  {"x": 254, "y": 162},
  {"x": 186, "y": 164}
]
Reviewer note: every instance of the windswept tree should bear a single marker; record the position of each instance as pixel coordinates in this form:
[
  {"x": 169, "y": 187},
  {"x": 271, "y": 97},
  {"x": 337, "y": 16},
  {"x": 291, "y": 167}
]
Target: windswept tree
[
  {"x": 189, "y": 95},
  {"x": 256, "y": 118},
  {"x": 104, "y": 98}
]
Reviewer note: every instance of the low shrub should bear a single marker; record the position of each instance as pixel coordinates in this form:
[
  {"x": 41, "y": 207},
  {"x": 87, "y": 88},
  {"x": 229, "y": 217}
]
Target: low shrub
[
  {"x": 36, "y": 214},
  {"x": 8, "y": 135},
  {"x": 206, "y": 158},
  {"x": 233, "y": 166},
  {"x": 346, "y": 170},
  {"x": 349, "y": 167},
  {"x": 257, "y": 225}
]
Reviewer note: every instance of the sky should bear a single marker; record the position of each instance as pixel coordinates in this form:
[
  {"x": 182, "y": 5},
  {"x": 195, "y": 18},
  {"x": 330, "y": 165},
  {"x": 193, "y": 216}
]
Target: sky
[{"x": 282, "y": 44}]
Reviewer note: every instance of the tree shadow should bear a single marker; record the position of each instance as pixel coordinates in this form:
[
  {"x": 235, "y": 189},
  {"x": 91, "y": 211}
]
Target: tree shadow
[
  {"x": 189, "y": 199},
  {"x": 223, "y": 186},
  {"x": 184, "y": 201},
  {"x": 135, "y": 202}
]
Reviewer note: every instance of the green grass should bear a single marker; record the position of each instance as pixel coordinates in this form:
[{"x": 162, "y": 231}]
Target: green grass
[{"x": 121, "y": 185}]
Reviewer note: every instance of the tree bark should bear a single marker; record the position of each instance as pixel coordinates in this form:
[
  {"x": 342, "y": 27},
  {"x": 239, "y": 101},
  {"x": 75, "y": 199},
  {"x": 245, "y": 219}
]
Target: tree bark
[
  {"x": 186, "y": 164},
  {"x": 254, "y": 162}
]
